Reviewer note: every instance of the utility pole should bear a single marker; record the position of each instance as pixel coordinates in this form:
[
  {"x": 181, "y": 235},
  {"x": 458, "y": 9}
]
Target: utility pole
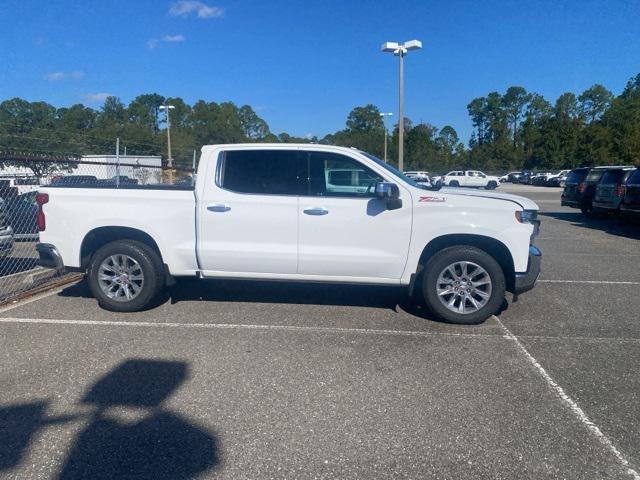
[
  {"x": 401, "y": 112},
  {"x": 400, "y": 50},
  {"x": 166, "y": 108},
  {"x": 118, "y": 162},
  {"x": 193, "y": 169},
  {"x": 386, "y": 133}
]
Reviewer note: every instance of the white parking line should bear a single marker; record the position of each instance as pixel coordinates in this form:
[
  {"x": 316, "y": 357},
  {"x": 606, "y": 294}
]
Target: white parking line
[
  {"x": 573, "y": 254},
  {"x": 593, "y": 282},
  {"x": 414, "y": 333},
  {"x": 232, "y": 326},
  {"x": 575, "y": 408}
]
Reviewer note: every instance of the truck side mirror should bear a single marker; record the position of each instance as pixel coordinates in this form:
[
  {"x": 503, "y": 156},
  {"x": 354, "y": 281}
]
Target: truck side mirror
[{"x": 390, "y": 193}]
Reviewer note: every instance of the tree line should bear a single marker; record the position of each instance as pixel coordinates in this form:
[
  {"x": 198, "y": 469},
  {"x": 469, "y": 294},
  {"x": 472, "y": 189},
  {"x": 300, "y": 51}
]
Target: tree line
[{"x": 512, "y": 130}]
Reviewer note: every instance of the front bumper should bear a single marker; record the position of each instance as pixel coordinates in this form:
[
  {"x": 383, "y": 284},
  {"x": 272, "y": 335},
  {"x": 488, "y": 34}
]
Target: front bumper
[
  {"x": 526, "y": 281},
  {"x": 49, "y": 257}
]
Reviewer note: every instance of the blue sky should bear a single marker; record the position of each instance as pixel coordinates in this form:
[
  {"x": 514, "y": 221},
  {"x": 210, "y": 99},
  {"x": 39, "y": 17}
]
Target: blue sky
[{"x": 303, "y": 65}]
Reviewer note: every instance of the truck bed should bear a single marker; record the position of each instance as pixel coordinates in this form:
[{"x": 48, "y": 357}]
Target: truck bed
[{"x": 168, "y": 215}]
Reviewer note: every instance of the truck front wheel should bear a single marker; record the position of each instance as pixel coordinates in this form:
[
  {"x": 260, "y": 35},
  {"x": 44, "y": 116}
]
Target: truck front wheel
[
  {"x": 125, "y": 275},
  {"x": 463, "y": 284}
]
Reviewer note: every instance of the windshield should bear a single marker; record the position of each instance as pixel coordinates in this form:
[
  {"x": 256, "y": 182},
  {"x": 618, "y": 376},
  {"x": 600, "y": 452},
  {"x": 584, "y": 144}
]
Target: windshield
[{"x": 395, "y": 171}]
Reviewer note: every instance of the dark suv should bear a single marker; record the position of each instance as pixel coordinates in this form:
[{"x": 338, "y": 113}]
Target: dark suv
[
  {"x": 610, "y": 190},
  {"x": 574, "y": 188},
  {"x": 580, "y": 187},
  {"x": 630, "y": 205}
]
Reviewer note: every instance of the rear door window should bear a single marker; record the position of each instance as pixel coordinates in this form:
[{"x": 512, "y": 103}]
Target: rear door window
[{"x": 264, "y": 172}]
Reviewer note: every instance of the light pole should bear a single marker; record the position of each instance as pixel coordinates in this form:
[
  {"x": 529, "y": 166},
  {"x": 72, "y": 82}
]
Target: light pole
[
  {"x": 166, "y": 108},
  {"x": 384, "y": 124},
  {"x": 400, "y": 50}
]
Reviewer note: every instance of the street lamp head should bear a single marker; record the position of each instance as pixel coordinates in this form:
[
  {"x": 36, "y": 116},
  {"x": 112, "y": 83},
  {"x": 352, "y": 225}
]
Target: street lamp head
[
  {"x": 390, "y": 47},
  {"x": 386, "y": 114},
  {"x": 412, "y": 45},
  {"x": 170, "y": 107}
]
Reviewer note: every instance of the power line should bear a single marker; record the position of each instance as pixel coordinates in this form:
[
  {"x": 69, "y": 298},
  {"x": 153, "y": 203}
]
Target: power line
[
  {"x": 89, "y": 135},
  {"x": 85, "y": 144}
]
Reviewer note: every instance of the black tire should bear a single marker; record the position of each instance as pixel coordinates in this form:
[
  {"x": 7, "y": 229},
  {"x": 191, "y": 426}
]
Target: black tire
[
  {"x": 440, "y": 260},
  {"x": 587, "y": 209},
  {"x": 454, "y": 183},
  {"x": 150, "y": 264},
  {"x": 491, "y": 185}
]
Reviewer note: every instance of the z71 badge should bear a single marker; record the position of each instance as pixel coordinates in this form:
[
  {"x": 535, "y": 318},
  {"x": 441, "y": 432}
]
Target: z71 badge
[{"x": 432, "y": 199}]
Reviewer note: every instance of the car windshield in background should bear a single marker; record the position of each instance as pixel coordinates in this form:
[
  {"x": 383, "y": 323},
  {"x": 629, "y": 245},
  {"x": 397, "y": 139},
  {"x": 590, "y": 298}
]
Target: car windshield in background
[
  {"x": 395, "y": 171},
  {"x": 576, "y": 176}
]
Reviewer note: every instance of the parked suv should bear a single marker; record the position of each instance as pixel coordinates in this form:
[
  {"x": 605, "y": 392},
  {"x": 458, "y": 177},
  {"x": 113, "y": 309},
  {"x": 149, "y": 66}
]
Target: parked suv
[
  {"x": 630, "y": 205},
  {"x": 610, "y": 190},
  {"x": 580, "y": 187}
]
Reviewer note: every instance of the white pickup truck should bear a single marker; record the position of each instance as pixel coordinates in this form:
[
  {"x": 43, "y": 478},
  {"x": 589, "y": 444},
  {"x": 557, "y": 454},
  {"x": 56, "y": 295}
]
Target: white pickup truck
[
  {"x": 281, "y": 212},
  {"x": 470, "y": 178}
]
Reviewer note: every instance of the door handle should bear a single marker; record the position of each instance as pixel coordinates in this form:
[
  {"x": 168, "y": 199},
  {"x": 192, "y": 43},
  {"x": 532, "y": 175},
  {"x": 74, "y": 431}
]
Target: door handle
[
  {"x": 316, "y": 211},
  {"x": 218, "y": 207}
]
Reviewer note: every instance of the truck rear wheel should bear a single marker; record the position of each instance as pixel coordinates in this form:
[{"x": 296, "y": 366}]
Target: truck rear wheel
[
  {"x": 463, "y": 284},
  {"x": 454, "y": 183},
  {"x": 125, "y": 276}
]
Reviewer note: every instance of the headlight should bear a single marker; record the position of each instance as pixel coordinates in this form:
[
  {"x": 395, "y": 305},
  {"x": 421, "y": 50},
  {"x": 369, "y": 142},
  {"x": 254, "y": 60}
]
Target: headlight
[
  {"x": 529, "y": 216},
  {"x": 526, "y": 216}
]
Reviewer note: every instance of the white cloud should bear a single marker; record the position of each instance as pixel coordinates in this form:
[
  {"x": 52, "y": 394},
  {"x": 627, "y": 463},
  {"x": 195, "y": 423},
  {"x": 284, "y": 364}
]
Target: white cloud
[
  {"x": 173, "y": 38},
  {"x": 97, "y": 97},
  {"x": 154, "y": 42},
  {"x": 184, "y": 8},
  {"x": 75, "y": 75}
]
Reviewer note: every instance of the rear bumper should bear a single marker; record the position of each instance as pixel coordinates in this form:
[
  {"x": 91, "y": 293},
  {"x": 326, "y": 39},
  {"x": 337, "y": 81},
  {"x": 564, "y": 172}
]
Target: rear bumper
[
  {"x": 49, "y": 257},
  {"x": 527, "y": 280},
  {"x": 605, "y": 205}
]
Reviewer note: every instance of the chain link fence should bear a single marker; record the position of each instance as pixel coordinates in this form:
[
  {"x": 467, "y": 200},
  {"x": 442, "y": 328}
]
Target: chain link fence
[{"x": 23, "y": 173}]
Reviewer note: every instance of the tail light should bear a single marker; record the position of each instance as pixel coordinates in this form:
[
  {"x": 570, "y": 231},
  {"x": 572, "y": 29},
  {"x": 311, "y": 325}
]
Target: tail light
[
  {"x": 582, "y": 187},
  {"x": 619, "y": 191},
  {"x": 41, "y": 199}
]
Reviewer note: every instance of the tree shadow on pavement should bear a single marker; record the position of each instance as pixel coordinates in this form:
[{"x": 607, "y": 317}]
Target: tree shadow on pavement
[
  {"x": 605, "y": 223},
  {"x": 157, "y": 444}
]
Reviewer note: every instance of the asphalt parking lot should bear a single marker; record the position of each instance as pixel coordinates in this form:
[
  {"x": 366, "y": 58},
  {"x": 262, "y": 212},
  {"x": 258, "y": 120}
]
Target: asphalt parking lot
[{"x": 273, "y": 380}]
